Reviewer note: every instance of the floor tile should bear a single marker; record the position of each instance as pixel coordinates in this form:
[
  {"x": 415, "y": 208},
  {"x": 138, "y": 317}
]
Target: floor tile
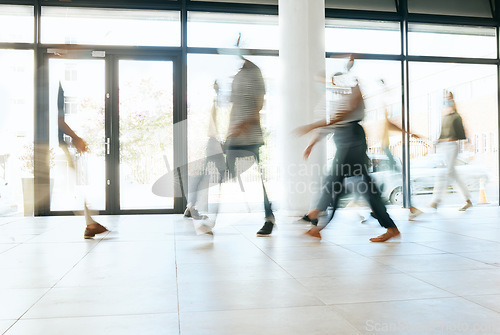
[
  {"x": 487, "y": 257},
  {"x": 239, "y": 270},
  {"x": 370, "y": 288},
  {"x": 429, "y": 316},
  {"x": 275, "y": 321},
  {"x": 471, "y": 282},
  {"x": 489, "y": 301},
  {"x": 105, "y": 301},
  {"x": 15, "y": 302},
  {"x": 5, "y": 324},
  {"x": 388, "y": 249},
  {"x": 435, "y": 262},
  {"x": 244, "y": 294},
  {"x": 145, "y": 324},
  {"x": 355, "y": 265}
]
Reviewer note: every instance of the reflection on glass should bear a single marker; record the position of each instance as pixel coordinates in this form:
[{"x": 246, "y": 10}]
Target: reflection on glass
[
  {"x": 476, "y": 8},
  {"x": 362, "y": 36},
  {"x": 380, "y": 83},
  {"x": 379, "y": 5},
  {"x": 83, "y": 85},
  {"x": 475, "y": 93},
  {"x": 146, "y": 131},
  {"x": 16, "y": 24},
  {"x": 221, "y": 30},
  {"x": 255, "y": 2},
  {"x": 110, "y": 26},
  {"x": 451, "y": 41},
  {"x": 203, "y": 70},
  {"x": 16, "y": 132}
]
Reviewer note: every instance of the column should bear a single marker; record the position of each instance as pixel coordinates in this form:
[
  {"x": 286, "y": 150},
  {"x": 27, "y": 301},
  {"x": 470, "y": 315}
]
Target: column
[{"x": 302, "y": 59}]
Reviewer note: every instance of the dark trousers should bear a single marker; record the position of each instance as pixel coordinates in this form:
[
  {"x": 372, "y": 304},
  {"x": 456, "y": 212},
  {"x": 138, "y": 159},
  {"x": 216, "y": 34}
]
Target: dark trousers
[
  {"x": 351, "y": 160},
  {"x": 239, "y": 151}
]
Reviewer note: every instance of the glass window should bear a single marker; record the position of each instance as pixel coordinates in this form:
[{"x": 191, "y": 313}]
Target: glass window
[
  {"x": 379, "y": 5},
  {"x": 451, "y": 41},
  {"x": 475, "y": 91},
  {"x": 16, "y": 24},
  {"x": 222, "y": 30},
  {"x": 110, "y": 26},
  {"x": 362, "y": 37},
  {"x": 476, "y": 8},
  {"x": 16, "y": 132}
]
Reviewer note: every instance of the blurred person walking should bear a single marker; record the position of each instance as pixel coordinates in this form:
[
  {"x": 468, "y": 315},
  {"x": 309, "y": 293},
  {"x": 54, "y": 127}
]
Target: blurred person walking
[
  {"x": 452, "y": 131},
  {"x": 245, "y": 137},
  {"x": 214, "y": 153},
  {"x": 387, "y": 127},
  {"x": 93, "y": 228},
  {"x": 350, "y": 160}
]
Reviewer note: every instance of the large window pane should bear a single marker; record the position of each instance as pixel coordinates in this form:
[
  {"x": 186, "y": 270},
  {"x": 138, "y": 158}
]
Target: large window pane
[
  {"x": 222, "y": 30},
  {"x": 146, "y": 132},
  {"x": 380, "y": 83},
  {"x": 110, "y": 26},
  {"x": 362, "y": 37},
  {"x": 452, "y": 41},
  {"x": 203, "y": 71},
  {"x": 475, "y": 92},
  {"x": 16, "y": 24},
  {"x": 16, "y": 132}
]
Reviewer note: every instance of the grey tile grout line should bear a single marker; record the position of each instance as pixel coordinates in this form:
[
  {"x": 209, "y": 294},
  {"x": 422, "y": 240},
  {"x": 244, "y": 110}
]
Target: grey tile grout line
[
  {"x": 177, "y": 279},
  {"x": 52, "y": 287},
  {"x": 465, "y": 297}
]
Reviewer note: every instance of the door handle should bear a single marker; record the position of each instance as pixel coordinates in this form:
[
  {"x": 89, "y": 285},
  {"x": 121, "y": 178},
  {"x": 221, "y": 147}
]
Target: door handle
[{"x": 108, "y": 145}]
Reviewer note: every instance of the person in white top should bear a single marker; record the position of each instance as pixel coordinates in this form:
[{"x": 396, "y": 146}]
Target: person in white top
[{"x": 350, "y": 160}]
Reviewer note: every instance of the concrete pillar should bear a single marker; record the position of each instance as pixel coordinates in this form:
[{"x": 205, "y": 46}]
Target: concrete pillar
[{"x": 302, "y": 59}]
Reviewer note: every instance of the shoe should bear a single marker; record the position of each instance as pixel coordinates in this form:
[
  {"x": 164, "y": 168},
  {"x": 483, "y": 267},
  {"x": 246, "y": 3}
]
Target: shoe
[
  {"x": 94, "y": 229},
  {"x": 195, "y": 215},
  {"x": 416, "y": 212},
  {"x": 314, "y": 232},
  {"x": 467, "y": 205},
  {"x": 187, "y": 212},
  {"x": 266, "y": 229},
  {"x": 362, "y": 219},
  {"x": 204, "y": 227},
  {"x": 306, "y": 218},
  {"x": 390, "y": 233},
  {"x": 434, "y": 205},
  {"x": 192, "y": 212}
]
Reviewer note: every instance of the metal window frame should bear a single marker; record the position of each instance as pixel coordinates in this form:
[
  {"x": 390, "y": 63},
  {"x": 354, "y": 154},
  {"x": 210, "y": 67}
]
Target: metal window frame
[{"x": 184, "y": 6}]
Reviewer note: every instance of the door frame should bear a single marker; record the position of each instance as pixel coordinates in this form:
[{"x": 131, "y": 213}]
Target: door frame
[{"x": 111, "y": 57}]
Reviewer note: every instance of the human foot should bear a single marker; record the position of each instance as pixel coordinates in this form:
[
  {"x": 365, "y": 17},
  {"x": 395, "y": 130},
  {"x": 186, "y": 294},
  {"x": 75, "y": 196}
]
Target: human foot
[
  {"x": 93, "y": 229},
  {"x": 390, "y": 233},
  {"x": 314, "y": 232}
]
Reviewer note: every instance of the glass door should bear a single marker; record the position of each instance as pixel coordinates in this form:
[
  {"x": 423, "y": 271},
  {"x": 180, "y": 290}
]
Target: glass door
[
  {"x": 145, "y": 114},
  {"x": 123, "y": 110},
  {"x": 76, "y": 101}
]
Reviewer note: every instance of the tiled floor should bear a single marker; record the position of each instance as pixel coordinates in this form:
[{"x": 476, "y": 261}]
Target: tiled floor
[{"x": 154, "y": 275}]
